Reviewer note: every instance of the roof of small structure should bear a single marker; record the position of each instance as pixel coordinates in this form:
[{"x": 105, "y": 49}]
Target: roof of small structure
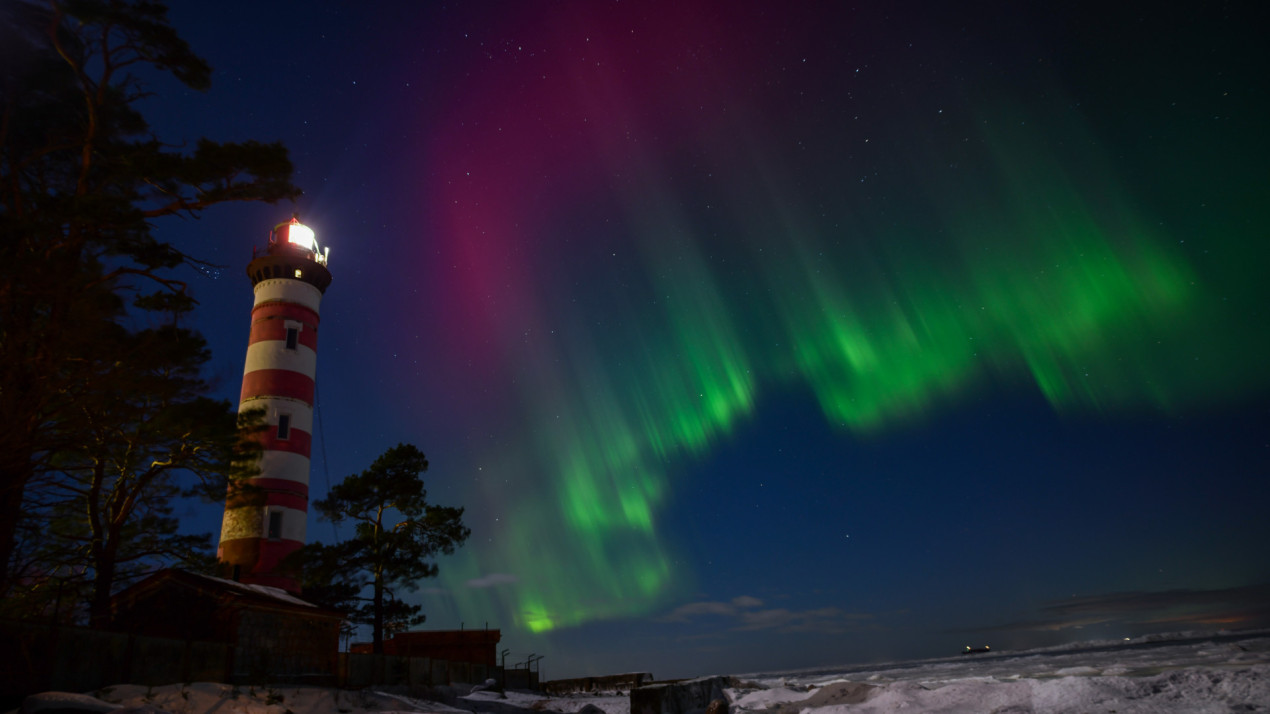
[{"x": 227, "y": 590}]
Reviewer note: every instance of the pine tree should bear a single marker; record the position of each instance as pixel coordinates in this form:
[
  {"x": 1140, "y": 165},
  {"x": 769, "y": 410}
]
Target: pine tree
[
  {"x": 82, "y": 180},
  {"x": 397, "y": 533},
  {"x": 144, "y": 437}
]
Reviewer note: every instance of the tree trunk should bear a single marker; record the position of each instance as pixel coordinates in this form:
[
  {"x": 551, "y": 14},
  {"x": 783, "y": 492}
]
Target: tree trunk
[
  {"x": 378, "y": 645},
  {"x": 15, "y": 472},
  {"x": 103, "y": 583}
]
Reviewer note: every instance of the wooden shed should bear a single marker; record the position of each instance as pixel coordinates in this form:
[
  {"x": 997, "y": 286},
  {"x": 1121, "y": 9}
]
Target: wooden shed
[{"x": 274, "y": 635}]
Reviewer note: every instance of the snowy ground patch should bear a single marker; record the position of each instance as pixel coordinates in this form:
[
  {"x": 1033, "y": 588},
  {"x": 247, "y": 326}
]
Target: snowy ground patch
[
  {"x": 209, "y": 698},
  {"x": 571, "y": 704}
]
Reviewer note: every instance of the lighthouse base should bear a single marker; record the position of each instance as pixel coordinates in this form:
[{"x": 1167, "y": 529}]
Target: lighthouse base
[{"x": 253, "y": 561}]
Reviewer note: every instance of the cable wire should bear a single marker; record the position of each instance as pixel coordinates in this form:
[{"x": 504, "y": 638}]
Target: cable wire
[{"x": 326, "y": 466}]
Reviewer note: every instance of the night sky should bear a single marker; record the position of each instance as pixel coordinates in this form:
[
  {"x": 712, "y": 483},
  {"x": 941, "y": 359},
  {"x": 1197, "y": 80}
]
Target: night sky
[{"x": 761, "y": 335}]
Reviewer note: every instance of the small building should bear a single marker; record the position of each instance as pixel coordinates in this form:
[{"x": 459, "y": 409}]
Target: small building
[
  {"x": 472, "y": 646},
  {"x": 273, "y": 634}
]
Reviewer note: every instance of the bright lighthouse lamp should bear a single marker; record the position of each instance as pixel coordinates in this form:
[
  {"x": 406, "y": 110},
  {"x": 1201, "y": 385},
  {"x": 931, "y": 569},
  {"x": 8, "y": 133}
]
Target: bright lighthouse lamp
[{"x": 301, "y": 235}]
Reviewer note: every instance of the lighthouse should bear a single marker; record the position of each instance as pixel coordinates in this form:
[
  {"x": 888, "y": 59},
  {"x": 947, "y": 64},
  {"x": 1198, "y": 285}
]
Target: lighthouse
[{"x": 265, "y": 515}]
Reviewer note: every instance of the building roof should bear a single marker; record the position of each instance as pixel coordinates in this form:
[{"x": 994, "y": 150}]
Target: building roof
[{"x": 226, "y": 590}]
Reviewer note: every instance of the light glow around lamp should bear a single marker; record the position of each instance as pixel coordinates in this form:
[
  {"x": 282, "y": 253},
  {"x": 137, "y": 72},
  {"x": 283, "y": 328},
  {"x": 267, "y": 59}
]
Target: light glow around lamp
[{"x": 301, "y": 235}]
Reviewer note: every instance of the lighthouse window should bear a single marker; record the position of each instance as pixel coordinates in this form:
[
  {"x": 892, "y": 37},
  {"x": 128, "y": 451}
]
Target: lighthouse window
[
  {"x": 284, "y": 426},
  {"x": 275, "y": 524},
  {"x": 293, "y": 336}
]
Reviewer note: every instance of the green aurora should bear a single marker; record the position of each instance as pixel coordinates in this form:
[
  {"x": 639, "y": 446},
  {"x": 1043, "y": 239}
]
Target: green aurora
[{"x": 1042, "y": 276}]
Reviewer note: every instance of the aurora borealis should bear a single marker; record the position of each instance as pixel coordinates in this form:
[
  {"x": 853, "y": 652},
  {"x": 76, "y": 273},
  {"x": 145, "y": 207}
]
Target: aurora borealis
[{"x": 722, "y": 320}]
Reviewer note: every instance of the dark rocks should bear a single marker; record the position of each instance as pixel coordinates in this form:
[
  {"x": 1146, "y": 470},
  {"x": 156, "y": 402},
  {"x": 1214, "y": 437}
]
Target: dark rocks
[{"x": 692, "y": 696}]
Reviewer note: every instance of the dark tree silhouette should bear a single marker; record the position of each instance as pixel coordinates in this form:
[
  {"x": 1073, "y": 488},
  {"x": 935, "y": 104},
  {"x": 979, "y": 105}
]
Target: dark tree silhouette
[
  {"x": 82, "y": 179},
  {"x": 108, "y": 499},
  {"x": 397, "y": 535}
]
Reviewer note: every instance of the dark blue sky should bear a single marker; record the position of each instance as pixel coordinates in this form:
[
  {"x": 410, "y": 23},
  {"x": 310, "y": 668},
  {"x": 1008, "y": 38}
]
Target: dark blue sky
[{"x": 756, "y": 337}]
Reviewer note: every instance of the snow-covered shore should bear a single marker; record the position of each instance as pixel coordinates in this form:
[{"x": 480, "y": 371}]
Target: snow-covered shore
[
  {"x": 1221, "y": 672},
  {"x": 1182, "y": 672}
]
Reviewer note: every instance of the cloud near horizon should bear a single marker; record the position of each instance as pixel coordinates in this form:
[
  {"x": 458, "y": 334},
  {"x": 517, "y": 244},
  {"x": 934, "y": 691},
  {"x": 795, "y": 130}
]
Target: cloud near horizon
[
  {"x": 732, "y": 608},
  {"x": 492, "y": 580},
  {"x": 1241, "y": 607},
  {"x": 745, "y": 611}
]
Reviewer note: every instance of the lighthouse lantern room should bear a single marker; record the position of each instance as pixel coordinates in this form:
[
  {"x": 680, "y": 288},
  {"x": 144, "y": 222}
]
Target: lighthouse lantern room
[{"x": 266, "y": 513}]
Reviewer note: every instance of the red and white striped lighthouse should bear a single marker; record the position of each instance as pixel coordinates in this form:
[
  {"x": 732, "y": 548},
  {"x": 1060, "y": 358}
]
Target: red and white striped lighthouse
[{"x": 266, "y": 522}]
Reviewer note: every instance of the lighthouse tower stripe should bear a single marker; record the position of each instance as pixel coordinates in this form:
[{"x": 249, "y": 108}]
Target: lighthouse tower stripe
[
  {"x": 290, "y": 291},
  {"x": 246, "y": 534},
  {"x": 250, "y": 501},
  {"x": 270, "y": 320},
  {"x": 285, "y": 310},
  {"x": 268, "y": 554},
  {"x": 284, "y": 464},
  {"x": 281, "y": 484},
  {"x": 275, "y": 328},
  {"x": 289, "y": 494},
  {"x": 297, "y": 442},
  {"x": 273, "y": 354},
  {"x": 301, "y": 413},
  {"x": 252, "y": 523},
  {"x": 277, "y": 383},
  {"x": 288, "y": 500}
]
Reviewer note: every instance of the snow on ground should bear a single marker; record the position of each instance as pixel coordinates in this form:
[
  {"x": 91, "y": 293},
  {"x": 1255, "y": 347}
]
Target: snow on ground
[
  {"x": 212, "y": 698},
  {"x": 208, "y": 698},
  {"x": 1195, "y": 690},
  {"x": 1185, "y": 672},
  {"x": 1223, "y": 672},
  {"x": 611, "y": 703}
]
